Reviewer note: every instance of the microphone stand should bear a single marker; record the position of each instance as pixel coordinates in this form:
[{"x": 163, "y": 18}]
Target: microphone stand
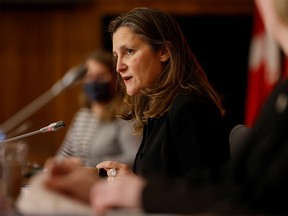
[
  {"x": 51, "y": 127},
  {"x": 71, "y": 76}
]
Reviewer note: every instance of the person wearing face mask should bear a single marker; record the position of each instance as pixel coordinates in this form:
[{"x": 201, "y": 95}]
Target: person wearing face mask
[{"x": 96, "y": 134}]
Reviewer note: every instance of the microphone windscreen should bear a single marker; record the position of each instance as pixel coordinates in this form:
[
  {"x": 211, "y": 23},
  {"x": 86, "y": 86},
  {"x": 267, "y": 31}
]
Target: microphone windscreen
[
  {"x": 237, "y": 136},
  {"x": 52, "y": 127},
  {"x": 58, "y": 125}
]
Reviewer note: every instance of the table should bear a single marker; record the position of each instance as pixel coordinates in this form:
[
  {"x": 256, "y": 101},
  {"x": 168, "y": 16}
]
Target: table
[{"x": 38, "y": 200}]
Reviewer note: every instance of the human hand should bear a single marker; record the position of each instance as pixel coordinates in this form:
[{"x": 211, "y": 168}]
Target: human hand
[
  {"x": 70, "y": 161},
  {"x": 124, "y": 192},
  {"x": 121, "y": 169},
  {"x": 71, "y": 180}
]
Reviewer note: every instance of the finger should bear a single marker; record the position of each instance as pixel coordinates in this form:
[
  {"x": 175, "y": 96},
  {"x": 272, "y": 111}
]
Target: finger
[
  {"x": 73, "y": 161},
  {"x": 59, "y": 168},
  {"x": 48, "y": 163},
  {"x": 69, "y": 184},
  {"x": 107, "y": 165},
  {"x": 111, "y": 164},
  {"x": 110, "y": 179},
  {"x": 98, "y": 197},
  {"x": 58, "y": 183}
]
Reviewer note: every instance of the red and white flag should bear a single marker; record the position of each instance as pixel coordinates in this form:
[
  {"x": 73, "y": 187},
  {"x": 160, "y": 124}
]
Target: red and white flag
[{"x": 264, "y": 69}]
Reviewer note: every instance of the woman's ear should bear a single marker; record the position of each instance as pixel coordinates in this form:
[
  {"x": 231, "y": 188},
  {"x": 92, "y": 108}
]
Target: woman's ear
[{"x": 165, "y": 54}]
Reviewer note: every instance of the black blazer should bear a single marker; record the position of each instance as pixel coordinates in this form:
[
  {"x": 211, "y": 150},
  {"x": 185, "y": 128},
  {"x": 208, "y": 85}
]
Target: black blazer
[
  {"x": 254, "y": 182},
  {"x": 190, "y": 140}
]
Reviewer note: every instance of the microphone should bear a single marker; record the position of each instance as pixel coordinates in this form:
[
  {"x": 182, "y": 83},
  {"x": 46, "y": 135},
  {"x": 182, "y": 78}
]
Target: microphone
[
  {"x": 51, "y": 127},
  {"x": 69, "y": 78},
  {"x": 237, "y": 135}
]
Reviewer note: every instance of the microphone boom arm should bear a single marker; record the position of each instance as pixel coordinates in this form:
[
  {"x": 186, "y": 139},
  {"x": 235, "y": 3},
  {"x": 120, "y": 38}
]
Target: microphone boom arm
[{"x": 71, "y": 76}]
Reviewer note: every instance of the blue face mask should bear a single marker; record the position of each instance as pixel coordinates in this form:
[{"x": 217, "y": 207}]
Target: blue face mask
[{"x": 97, "y": 91}]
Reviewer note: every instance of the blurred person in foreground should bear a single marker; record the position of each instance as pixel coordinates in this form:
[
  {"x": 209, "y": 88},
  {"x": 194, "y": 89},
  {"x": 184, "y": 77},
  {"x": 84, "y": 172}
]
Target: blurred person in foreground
[{"x": 96, "y": 134}]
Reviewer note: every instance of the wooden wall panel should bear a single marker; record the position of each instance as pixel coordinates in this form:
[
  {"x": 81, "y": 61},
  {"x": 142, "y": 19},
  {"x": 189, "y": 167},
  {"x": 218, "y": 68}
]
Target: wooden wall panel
[
  {"x": 180, "y": 7},
  {"x": 40, "y": 43},
  {"x": 38, "y": 46}
]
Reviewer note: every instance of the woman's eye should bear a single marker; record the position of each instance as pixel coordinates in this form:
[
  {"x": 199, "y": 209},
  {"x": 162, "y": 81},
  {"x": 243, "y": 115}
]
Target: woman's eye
[{"x": 129, "y": 51}]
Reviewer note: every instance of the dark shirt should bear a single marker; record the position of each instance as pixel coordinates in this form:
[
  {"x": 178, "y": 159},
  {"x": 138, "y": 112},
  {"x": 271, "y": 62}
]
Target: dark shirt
[
  {"x": 254, "y": 181},
  {"x": 189, "y": 141}
]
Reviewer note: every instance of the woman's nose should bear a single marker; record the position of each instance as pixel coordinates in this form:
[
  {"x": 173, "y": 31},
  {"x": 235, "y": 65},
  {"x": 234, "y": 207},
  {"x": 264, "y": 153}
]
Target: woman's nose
[{"x": 121, "y": 67}]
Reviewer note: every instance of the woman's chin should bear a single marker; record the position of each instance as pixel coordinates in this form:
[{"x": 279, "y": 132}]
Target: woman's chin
[{"x": 131, "y": 92}]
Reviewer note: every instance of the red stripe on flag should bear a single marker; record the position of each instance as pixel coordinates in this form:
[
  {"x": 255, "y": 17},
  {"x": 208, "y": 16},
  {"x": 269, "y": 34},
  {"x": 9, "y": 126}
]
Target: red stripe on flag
[{"x": 264, "y": 69}]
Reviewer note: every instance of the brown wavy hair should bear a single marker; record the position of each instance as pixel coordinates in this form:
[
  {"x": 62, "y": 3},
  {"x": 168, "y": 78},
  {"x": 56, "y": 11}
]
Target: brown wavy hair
[{"x": 181, "y": 72}]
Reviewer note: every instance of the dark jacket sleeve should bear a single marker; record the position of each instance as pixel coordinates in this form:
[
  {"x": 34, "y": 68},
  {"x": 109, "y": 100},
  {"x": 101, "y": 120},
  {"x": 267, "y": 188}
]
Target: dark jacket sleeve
[
  {"x": 181, "y": 197},
  {"x": 199, "y": 134}
]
